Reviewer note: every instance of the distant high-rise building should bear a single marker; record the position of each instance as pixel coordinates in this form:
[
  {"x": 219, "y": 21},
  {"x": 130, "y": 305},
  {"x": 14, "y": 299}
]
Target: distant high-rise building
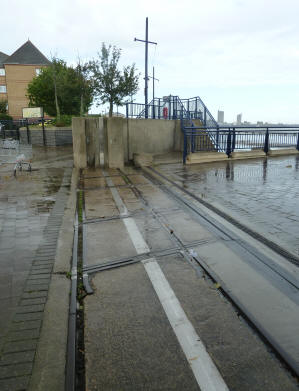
[
  {"x": 220, "y": 117},
  {"x": 239, "y": 119}
]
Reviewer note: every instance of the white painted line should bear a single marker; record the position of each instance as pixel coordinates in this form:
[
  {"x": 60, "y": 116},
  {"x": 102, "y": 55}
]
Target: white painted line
[
  {"x": 115, "y": 194},
  {"x": 135, "y": 235},
  {"x": 204, "y": 370}
]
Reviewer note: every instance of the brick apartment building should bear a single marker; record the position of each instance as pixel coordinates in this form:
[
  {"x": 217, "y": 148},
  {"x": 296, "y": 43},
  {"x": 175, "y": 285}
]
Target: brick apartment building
[{"x": 16, "y": 72}]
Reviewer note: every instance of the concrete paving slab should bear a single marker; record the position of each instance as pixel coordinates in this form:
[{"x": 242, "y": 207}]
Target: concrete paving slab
[
  {"x": 91, "y": 182},
  {"x": 128, "y": 340},
  {"x": 243, "y": 358},
  {"x": 155, "y": 196},
  {"x": 112, "y": 171},
  {"x": 187, "y": 228},
  {"x": 266, "y": 296},
  {"x": 239, "y": 354},
  {"x": 92, "y": 172},
  {"x": 129, "y": 170},
  {"x": 99, "y": 203},
  {"x": 118, "y": 180},
  {"x": 132, "y": 203},
  {"x": 102, "y": 239},
  {"x": 138, "y": 179},
  {"x": 153, "y": 233}
]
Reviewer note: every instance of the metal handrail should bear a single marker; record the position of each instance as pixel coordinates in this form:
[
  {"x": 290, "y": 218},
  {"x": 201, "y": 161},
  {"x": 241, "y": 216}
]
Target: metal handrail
[
  {"x": 231, "y": 138},
  {"x": 255, "y": 127},
  {"x": 177, "y": 107}
]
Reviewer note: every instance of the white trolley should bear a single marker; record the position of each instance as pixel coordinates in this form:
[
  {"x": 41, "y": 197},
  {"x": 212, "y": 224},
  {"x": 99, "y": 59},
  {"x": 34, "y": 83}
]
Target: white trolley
[{"x": 12, "y": 152}]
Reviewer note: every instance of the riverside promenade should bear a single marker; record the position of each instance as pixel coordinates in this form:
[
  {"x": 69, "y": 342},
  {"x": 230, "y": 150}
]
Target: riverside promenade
[
  {"x": 32, "y": 208},
  {"x": 176, "y": 287},
  {"x": 182, "y": 298}
]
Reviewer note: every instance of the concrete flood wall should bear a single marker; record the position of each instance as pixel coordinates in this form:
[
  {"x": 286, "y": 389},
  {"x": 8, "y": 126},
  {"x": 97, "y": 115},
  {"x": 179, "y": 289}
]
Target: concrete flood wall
[
  {"x": 111, "y": 142},
  {"x": 153, "y": 136}
]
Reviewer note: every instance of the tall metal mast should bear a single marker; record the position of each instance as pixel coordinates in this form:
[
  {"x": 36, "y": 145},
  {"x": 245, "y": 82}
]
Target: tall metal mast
[{"x": 146, "y": 41}]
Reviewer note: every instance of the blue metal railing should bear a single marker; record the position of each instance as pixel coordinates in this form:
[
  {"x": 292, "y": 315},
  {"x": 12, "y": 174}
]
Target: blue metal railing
[
  {"x": 191, "y": 109},
  {"x": 137, "y": 110},
  {"x": 237, "y": 138},
  {"x": 172, "y": 107}
]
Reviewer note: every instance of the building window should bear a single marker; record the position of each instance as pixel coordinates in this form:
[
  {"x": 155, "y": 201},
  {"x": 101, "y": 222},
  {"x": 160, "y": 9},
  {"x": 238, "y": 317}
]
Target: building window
[
  {"x": 3, "y": 89},
  {"x": 2, "y": 72},
  {"x": 38, "y": 71}
]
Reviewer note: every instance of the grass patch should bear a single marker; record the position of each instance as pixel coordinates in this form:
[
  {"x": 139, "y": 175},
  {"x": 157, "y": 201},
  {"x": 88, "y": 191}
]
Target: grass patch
[{"x": 80, "y": 206}]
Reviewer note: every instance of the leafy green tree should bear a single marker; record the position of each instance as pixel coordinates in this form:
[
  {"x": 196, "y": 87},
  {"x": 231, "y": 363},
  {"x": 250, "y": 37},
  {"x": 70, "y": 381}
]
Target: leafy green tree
[
  {"x": 3, "y": 106},
  {"x": 60, "y": 90},
  {"x": 110, "y": 84},
  {"x": 84, "y": 84}
]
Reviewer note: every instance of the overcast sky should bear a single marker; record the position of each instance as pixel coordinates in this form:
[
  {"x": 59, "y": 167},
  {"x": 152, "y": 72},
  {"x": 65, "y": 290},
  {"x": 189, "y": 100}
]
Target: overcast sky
[{"x": 240, "y": 56}]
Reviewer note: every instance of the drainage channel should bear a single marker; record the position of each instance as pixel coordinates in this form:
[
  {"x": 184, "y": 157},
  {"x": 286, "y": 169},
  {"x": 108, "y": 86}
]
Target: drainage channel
[
  {"x": 75, "y": 362},
  {"x": 70, "y": 378},
  {"x": 88, "y": 270},
  {"x": 289, "y": 362}
]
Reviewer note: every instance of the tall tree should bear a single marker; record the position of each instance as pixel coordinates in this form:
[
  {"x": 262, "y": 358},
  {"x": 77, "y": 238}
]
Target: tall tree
[
  {"x": 84, "y": 82},
  {"x": 57, "y": 69},
  {"x": 112, "y": 85},
  {"x": 58, "y": 89}
]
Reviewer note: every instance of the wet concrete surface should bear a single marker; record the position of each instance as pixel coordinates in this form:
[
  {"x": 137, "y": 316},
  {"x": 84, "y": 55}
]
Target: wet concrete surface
[
  {"x": 243, "y": 360},
  {"x": 26, "y": 202},
  {"x": 262, "y": 193},
  {"x": 129, "y": 344},
  {"x": 138, "y": 350}
]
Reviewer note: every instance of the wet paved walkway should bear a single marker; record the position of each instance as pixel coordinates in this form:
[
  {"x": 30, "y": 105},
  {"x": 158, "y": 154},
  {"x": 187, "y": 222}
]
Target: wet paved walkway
[
  {"x": 262, "y": 193},
  {"x": 132, "y": 330},
  {"x": 31, "y": 208}
]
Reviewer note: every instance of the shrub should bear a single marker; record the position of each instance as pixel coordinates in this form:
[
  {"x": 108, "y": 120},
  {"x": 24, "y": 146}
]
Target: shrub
[
  {"x": 65, "y": 120},
  {"x": 5, "y": 117},
  {"x": 3, "y": 106}
]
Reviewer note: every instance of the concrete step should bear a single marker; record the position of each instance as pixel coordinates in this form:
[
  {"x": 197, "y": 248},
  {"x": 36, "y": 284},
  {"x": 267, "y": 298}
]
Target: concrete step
[
  {"x": 248, "y": 154},
  {"x": 143, "y": 159},
  {"x": 283, "y": 151},
  {"x": 168, "y": 158},
  {"x": 205, "y": 157}
]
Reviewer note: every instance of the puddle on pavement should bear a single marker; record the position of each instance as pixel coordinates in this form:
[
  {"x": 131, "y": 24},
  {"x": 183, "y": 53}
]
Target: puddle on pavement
[
  {"x": 26, "y": 202},
  {"x": 263, "y": 193}
]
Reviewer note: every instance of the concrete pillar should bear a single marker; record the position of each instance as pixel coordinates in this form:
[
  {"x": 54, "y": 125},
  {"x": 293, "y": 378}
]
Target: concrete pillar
[
  {"x": 79, "y": 142},
  {"x": 115, "y": 142},
  {"x": 92, "y": 142},
  {"x": 103, "y": 142}
]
